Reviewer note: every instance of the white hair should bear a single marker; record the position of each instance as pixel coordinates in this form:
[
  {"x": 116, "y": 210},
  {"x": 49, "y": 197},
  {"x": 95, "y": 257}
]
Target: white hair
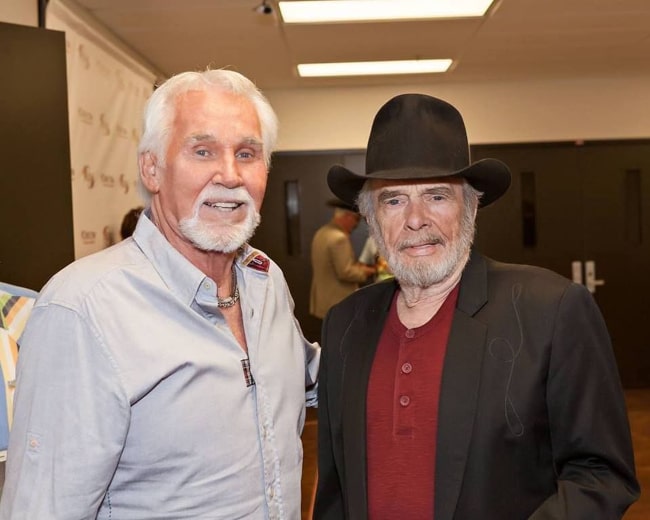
[{"x": 160, "y": 109}]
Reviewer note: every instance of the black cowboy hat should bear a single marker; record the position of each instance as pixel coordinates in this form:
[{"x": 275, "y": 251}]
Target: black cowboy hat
[
  {"x": 341, "y": 204},
  {"x": 415, "y": 136}
]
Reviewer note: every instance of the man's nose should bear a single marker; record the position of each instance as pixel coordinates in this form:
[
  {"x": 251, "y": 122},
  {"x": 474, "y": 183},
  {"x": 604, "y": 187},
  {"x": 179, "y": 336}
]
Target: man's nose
[
  {"x": 226, "y": 172},
  {"x": 416, "y": 215}
]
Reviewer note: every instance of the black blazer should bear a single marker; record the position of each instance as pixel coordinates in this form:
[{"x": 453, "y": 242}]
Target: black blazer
[{"x": 532, "y": 419}]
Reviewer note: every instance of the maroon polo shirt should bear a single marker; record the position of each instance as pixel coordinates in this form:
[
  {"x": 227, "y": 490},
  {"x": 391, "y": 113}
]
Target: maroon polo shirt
[{"x": 402, "y": 415}]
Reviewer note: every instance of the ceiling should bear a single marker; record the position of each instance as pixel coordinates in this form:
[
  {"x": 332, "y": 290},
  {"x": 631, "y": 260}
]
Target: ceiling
[{"x": 518, "y": 39}]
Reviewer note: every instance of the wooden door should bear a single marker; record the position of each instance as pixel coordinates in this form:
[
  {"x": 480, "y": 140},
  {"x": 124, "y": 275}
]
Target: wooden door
[
  {"x": 616, "y": 229},
  {"x": 582, "y": 203}
]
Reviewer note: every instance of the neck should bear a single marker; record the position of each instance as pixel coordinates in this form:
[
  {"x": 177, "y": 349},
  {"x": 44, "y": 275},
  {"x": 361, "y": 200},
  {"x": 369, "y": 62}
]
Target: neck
[{"x": 417, "y": 305}]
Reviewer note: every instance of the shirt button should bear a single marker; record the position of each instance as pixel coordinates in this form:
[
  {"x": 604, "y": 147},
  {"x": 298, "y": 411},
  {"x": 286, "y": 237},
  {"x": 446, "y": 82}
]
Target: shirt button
[
  {"x": 407, "y": 368},
  {"x": 410, "y": 333},
  {"x": 404, "y": 400}
]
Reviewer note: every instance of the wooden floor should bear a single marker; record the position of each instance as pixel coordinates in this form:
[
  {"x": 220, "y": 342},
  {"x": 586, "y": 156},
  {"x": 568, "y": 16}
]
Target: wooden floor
[
  {"x": 309, "y": 441},
  {"x": 638, "y": 408},
  {"x": 638, "y": 403}
]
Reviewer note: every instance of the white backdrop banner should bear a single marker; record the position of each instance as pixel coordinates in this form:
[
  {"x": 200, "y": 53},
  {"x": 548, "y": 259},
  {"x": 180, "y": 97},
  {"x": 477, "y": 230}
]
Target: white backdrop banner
[{"x": 107, "y": 90}]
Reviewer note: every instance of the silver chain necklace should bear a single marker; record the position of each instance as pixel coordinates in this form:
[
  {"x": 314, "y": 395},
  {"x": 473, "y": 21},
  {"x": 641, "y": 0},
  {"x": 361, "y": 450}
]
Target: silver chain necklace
[{"x": 225, "y": 303}]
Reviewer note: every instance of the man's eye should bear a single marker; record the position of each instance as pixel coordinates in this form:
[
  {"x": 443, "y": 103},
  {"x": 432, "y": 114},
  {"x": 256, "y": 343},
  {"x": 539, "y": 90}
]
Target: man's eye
[
  {"x": 246, "y": 154},
  {"x": 202, "y": 152}
]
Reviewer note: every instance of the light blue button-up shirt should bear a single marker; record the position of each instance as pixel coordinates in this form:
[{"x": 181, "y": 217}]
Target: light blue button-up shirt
[{"x": 132, "y": 400}]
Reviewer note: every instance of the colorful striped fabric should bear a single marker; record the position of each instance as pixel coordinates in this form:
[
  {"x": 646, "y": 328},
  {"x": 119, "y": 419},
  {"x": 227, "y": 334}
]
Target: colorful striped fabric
[{"x": 15, "y": 306}]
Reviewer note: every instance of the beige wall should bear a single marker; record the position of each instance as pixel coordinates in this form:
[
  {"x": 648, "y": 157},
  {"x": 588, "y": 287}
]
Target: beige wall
[
  {"x": 21, "y": 12},
  {"x": 550, "y": 110}
]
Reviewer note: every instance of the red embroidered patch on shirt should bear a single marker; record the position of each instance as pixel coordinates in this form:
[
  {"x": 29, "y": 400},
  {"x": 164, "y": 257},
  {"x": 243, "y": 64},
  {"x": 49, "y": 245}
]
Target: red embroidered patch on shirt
[{"x": 258, "y": 262}]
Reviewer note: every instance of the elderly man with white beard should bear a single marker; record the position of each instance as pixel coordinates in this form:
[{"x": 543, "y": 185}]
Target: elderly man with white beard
[
  {"x": 166, "y": 377},
  {"x": 466, "y": 388}
]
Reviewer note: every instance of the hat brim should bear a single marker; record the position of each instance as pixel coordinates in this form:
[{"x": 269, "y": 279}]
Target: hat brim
[
  {"x": 341, "y": 204},
  {"x": 489, "y": 176}
]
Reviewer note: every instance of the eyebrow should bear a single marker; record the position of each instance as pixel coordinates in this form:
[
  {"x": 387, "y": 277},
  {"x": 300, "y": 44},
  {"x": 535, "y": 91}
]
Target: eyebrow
[
  {"x": 444, "y": 189},
  {"x": 253, "y": 141},
  {"x": 387, "y": 194},
  {"x": 202, "y": 138}
]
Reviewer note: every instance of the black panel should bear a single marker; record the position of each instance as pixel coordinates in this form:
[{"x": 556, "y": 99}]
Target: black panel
[
  {"x": 528, "y": 209},
  {"x": 36, "y": 209},
  {"x": 633, "y": 207},
  {"x": 292, "y": 217}
]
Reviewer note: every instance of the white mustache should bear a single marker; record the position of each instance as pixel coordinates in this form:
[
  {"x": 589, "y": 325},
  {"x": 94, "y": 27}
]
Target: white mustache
[{"x": 239, "y": 194}]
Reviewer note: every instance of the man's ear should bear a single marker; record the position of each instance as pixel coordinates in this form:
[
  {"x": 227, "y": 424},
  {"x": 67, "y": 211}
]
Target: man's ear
[{"x": 149, "y": 172}]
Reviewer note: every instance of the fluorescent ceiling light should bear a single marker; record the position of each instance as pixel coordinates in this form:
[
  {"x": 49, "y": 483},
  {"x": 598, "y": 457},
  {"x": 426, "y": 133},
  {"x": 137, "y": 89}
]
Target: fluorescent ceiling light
[
  {"x": 323, "y": 11},
  {"x": 372, "y": 68}
]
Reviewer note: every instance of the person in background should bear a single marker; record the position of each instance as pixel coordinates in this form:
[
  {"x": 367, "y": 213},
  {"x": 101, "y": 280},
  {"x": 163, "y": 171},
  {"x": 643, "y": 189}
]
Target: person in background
[
  {"x": 336, "y": 273},
  {"x": 129, "y": 222},
  {"x": 466, "y": 388},
  {"x": 166, "y": 377}
]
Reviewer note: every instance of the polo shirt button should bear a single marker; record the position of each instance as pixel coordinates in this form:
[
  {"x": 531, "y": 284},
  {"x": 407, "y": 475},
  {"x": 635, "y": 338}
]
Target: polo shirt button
[
  {"x": 410, "y": 333},
  {"x": 407, "y": 368},
  {"x": 404, "y": 400}
]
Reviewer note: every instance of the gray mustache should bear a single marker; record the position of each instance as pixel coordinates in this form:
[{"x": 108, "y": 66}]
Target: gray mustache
[{"x": 420, "y": 241}]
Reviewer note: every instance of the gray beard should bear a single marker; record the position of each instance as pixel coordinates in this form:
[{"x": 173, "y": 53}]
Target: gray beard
[{"x": 423, "y": 272}]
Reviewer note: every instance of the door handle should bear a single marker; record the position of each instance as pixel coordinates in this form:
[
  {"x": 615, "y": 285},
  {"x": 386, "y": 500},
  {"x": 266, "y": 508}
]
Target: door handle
[
  {"x": 576, "y": 271},
  {"x": 590, "y": 276}
]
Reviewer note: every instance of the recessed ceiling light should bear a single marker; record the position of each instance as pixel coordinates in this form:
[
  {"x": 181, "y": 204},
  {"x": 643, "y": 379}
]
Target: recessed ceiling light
[
  {"x": 373, "y": 68},
  {"x": 325, "y": 11}
]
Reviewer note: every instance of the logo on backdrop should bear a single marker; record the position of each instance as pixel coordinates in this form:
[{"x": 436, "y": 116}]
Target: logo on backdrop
[
  {"x": 107, "y": 234},
  {"x": 88, "y": 237},
  {"x": 108, "y": 181},
  {"x": 124, "y": 183},
  {"x": 88, "y": 177},
  {"x": 103, "y": 124},
  {"x": 85, "y": 116},
  {"x": 83, "y": 56},
  {"x": 121, "y": 131}
]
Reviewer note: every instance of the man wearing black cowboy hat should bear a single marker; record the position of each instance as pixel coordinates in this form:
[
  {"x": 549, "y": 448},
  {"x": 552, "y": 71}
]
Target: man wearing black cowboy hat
[{"x": 464, "y": 389}]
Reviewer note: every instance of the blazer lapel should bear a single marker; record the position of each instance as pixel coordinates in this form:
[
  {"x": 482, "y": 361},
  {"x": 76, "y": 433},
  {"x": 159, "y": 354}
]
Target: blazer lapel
[
  {"x": 360, "y": 343},
  {"x": 459, "y": 388}
]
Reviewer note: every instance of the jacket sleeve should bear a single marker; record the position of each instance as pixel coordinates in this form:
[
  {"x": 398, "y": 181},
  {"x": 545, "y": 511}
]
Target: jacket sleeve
[
  {"x": 590, "y": 435},
  {"x": 329, "y": 494}
]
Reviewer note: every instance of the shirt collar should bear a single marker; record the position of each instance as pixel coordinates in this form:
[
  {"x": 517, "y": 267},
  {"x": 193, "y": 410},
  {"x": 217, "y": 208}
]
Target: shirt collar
[{"x": 181, "y": 276}]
